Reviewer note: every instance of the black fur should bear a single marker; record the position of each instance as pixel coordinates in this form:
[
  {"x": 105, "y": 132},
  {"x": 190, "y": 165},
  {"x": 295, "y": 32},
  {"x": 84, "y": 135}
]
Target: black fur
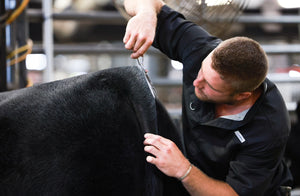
[{"x": 83, "y": 136}]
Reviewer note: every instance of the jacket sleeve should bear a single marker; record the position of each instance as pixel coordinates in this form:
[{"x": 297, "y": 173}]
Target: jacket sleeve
[{"x": 183, "y": 40}]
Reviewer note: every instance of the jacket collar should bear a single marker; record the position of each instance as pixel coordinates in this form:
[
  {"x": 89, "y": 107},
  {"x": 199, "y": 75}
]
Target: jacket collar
[{"x": 204, "y": 112}]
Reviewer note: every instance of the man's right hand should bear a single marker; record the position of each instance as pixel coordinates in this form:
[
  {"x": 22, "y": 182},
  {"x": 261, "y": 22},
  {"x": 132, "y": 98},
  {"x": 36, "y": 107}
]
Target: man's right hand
[
  {"x": 140, "y": 29},
  {"x": 140, "y": 32}
]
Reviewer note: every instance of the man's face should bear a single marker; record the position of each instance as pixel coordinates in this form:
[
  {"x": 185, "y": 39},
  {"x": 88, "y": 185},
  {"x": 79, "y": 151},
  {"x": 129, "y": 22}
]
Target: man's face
[{"x": 210, "y": 87}]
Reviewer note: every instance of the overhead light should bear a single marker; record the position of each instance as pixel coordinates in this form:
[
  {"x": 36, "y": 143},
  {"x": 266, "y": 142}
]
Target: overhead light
[
  {"x": 36, "y": 62},
  {"x": 289, "y": 3},
  {"x": 176, "y": 65},
  {"x": 294, "y": 74},
  {"x": 215, "y": 2}
]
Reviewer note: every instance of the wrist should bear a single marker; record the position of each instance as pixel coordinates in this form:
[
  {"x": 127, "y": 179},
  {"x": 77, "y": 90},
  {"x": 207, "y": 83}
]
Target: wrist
[
  {"x": 133, "y": 7},
  {"x": 148, "y": 14},
  {"x": 151, "y": 5},
  {"x": 187, "y": 172}
]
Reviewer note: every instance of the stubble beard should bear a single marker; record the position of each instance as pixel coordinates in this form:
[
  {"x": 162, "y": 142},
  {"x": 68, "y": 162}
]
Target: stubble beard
[{"x": 200, "y": 95}]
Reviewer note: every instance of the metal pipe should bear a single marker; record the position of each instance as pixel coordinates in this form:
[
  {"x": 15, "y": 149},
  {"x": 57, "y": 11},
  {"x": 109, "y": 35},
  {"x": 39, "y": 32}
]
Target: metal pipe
[
  {"x": 282, "y": 48},
  {"x": 48, "y": 40},
  {"x": 92, "y": 48},
  {"x": 258, "y": 19},
  {"x": 119, "y": 49},
  {"x": 114, "y": 17},
  {"x": 3, "y": 78},
  {"x": 102, "y": 17},
  {"x": 21, "y": 36}
]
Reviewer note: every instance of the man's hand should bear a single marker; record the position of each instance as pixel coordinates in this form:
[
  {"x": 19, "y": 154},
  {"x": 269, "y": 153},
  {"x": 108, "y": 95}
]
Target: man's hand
[
  {"x": 140, "y": 32},
  {"x": 166, "y": 155}
]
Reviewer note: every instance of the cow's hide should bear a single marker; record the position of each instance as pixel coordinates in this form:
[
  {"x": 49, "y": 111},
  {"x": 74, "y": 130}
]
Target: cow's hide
[{"x": 83, "y": 136}]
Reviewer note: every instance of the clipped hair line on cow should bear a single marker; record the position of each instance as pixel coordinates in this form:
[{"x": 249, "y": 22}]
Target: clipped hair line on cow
[
  {"x": 140, "y": 65},
  {"x": 142, "y": 87}
]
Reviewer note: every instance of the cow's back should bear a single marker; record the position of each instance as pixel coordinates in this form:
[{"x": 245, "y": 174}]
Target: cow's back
[{"x": 79, "y": 136}]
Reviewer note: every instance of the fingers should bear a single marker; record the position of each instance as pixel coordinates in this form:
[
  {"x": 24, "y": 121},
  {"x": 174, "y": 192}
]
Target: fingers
[
  {"x": 139, "y": 36},
  {"x": 126, "y": 37},
  {"x": 138, "y": 45},
  {"x": 157, "y": 146},
  {"x": 165, "y": 155},
  {"x": 156, "y": 141},
  {"x": 152, "y": 150},
  {"x": 153, "y": 145},
  {"x": 141, "y": 48},
  {"x": 151, "y": 159}
]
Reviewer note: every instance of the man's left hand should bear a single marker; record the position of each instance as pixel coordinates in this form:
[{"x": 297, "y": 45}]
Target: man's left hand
[{"x": 166, "y": 155}]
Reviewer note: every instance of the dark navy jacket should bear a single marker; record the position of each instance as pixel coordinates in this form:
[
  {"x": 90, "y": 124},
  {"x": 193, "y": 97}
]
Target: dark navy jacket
[{"x": 247, "y": 154}]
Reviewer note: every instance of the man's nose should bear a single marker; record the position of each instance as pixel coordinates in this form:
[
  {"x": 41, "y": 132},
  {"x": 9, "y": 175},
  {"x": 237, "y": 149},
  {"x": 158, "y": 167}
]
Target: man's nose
[{"x": 198, "y": 82}]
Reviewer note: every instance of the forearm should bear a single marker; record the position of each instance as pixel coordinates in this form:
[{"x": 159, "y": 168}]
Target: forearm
[
  {"x": 166, "y": 156},
  {"x": 197, "y": 183},
  {"x": 133, "y": 7}
]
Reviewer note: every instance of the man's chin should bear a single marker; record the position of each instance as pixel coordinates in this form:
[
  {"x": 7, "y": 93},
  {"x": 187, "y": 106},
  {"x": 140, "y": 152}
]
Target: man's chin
[{"x": 201, "y": 96}]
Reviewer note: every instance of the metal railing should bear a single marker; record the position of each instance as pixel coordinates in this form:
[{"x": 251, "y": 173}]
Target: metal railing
[{"x": 114, "y": 18}]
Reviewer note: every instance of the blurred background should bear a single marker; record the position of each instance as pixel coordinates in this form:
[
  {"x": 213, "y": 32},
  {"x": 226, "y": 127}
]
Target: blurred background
[
  {"x": 65, "y": 38},
  {"x": 46, "y": 40}
]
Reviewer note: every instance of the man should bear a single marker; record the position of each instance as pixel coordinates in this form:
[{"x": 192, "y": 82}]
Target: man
[{"x": 235, "y": 122}]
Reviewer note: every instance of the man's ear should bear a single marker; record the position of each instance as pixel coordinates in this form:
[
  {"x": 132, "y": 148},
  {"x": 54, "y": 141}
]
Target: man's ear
[{"x": 243, "y": 96}]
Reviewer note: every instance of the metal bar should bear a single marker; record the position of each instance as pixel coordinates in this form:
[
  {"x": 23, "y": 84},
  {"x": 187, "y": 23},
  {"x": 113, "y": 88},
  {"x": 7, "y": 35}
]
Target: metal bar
[
  {"x": 3, "y": 78},
  {"x": 89, "y": 49},
  {"x": 21, "y": 36},
  {"x": 48, "y": 40},
  {"x": 274, "y": 77},
  {"x": 114, "y": 17},
  {"x": 282, "y": 48},
  {"x": 164, "y": 82},
  {"x": 102, "y": 17},
  {"x": 258, "y": 19},
  {"x": 119, "y": 49},
  {"x": 283, "y": 78}
]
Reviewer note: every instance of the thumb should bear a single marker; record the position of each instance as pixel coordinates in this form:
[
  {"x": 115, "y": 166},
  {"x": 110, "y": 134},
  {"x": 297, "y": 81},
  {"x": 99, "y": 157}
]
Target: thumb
[{"x": 126, "y": 37}]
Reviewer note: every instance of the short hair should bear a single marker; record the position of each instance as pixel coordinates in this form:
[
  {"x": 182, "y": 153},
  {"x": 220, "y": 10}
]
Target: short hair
[{"x": 241, "y": 62}]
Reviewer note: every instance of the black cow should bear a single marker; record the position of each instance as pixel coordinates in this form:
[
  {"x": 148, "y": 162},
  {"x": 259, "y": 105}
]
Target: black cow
[{"x": 83, "y": 136}]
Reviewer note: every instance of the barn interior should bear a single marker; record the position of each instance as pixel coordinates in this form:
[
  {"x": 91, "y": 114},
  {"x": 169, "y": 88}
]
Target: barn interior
[{"x": 47, "y": 40}]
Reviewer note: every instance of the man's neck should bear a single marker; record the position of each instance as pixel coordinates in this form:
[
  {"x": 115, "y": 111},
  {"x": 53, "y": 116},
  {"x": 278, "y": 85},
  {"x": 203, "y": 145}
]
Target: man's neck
[{"x": 237, "y": 107}]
